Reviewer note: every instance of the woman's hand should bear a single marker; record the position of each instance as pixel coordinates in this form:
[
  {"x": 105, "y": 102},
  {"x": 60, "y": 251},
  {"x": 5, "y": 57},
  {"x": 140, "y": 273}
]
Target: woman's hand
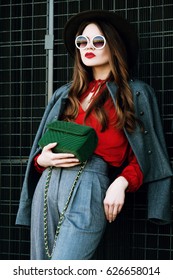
[
  {"x": 48, "y": 158},
  {"x": 115, "y": 197}
]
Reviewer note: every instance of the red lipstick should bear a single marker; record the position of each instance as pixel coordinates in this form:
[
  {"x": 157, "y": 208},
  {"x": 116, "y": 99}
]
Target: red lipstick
[{"x": 89, "y": 55}]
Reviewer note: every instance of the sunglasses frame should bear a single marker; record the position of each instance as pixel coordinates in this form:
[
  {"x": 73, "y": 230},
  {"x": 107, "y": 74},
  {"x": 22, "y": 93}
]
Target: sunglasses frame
[{"x": 90, "y": 41}]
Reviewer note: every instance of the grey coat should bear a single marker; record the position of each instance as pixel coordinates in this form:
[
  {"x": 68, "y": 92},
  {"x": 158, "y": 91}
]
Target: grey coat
[{"x": 148, "y": 146}]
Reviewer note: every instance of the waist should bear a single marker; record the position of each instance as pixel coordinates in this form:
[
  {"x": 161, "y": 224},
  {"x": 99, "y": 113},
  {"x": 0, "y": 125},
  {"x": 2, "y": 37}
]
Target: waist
[{"x": 95, "y": 164}]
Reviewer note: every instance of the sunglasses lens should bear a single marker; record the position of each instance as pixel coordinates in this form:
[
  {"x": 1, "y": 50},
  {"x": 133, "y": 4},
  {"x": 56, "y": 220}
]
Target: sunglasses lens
[
  {"x": 81, "y": 42},
  {"x": 99, "y": 42}
]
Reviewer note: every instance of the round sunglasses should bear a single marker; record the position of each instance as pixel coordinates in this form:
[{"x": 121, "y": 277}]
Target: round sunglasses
[{"x": 98, "y": 42}]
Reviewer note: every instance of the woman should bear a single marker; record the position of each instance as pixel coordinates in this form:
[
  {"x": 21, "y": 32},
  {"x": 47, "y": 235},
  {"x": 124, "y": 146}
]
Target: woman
[{"x": 102, "y": 96}]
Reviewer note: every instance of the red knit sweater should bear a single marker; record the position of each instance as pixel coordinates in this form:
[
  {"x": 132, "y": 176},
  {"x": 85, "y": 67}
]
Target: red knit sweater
[{"x": 113, "y": 145}]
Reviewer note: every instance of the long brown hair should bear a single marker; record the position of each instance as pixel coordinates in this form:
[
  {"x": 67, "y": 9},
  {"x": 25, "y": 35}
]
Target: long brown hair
[{"x": 82, "y": 75}]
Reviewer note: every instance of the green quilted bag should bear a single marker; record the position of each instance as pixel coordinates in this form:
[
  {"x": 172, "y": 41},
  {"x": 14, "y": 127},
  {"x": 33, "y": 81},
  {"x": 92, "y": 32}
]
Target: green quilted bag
[{"x": 80, "y": 140}]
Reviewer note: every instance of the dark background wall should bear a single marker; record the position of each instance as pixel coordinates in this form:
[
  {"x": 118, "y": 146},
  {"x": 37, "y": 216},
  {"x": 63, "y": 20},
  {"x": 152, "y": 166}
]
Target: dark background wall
[{"x": 23, "y": 97}]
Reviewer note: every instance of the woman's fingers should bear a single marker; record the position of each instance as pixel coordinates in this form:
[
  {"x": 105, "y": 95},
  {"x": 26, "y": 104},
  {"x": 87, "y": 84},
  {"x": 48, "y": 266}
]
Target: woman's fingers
[
  {"x": 115, "y": 197},
  {"x": 49, "y": 158},
  {"x": 65, "y": 161},
  {"x": 49, "y": 146},
  {"x": 111, "y": 212}
]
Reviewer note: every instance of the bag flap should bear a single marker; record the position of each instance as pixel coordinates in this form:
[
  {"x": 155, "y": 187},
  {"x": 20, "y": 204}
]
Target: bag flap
[{"x": 70, "y": 127}]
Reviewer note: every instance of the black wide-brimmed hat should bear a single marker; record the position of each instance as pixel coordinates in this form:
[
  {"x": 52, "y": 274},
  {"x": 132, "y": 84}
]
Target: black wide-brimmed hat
[{"x": 122, "y": 26}]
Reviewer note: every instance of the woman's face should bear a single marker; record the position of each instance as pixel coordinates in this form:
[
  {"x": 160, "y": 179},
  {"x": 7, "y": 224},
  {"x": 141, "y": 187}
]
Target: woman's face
[{"x": 91, "y": 56}]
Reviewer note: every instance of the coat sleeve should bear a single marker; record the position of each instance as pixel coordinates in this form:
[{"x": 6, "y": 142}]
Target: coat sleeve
[
  {"x": 159, "y": 201},
  {"x": 153, "y": 155},
  {"x": 159, "y": 191}
]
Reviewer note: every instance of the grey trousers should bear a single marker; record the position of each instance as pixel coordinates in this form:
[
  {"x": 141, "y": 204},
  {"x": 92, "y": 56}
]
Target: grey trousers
[{"x": 84, "y": 221}]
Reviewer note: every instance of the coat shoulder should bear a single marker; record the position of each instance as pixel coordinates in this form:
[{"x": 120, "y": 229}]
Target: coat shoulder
[
  {"x": 62, "y": 89},
  {"x": 139, "y": 87}
]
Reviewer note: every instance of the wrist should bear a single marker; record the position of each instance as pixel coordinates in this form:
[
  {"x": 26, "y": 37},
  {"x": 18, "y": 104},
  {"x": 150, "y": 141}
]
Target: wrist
[{"x": 123, "y": 182}]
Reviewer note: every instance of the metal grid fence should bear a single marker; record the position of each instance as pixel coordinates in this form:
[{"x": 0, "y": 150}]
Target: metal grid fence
[{"x": 23, "y": 88}]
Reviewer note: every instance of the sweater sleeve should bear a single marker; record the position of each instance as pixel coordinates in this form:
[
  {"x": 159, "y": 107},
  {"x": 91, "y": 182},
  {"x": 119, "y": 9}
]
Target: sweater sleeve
[
  {"x": 38, "y": 168},
  {"x": 132, "y": 173}
]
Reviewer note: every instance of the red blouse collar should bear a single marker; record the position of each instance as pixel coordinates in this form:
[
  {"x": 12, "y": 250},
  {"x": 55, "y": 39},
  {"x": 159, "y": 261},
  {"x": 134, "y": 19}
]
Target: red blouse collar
[{"x": 95, "y": 86}]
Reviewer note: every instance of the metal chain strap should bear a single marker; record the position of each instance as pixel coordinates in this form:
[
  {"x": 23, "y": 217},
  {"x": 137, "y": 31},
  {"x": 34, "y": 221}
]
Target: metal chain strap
[{"x": 63, "y": 212}]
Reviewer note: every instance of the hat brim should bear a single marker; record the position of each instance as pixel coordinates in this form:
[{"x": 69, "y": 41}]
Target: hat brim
[{"x": 124, "y": 28}]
